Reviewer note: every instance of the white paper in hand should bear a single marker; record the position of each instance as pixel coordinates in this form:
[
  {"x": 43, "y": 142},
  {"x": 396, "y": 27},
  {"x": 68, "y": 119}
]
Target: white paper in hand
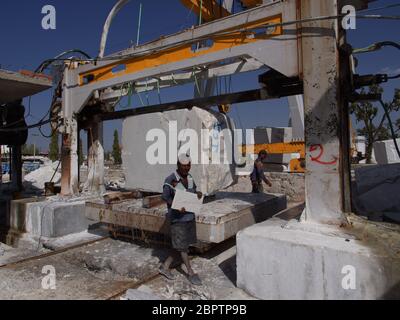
[{"x": 187, "y": 200}]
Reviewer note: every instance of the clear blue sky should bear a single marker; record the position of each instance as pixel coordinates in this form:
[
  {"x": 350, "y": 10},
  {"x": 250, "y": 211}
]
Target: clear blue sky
[{"x": 24, "y": 45}]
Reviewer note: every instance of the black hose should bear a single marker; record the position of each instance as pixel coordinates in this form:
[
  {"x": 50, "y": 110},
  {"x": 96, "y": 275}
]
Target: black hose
[
  {"x": 377, "y": 46},
  {"x": 25, "y": 128},
  {"x": 48, "y": 62}
]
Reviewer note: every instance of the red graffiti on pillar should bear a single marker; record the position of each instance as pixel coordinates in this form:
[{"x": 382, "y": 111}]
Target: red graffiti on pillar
[{"x": 317, "y": 159}]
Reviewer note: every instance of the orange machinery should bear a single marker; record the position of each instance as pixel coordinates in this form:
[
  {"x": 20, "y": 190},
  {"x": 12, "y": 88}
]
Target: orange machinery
[{"x": 296, "y": 165}]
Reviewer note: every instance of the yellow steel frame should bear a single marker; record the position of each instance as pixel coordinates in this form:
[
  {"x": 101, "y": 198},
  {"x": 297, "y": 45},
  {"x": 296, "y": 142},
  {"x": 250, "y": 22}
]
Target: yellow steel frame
[
  {"x": 232, "y": 37},
  {"x": 251, "y": 3},
  {"x": 210, "y": 9}
]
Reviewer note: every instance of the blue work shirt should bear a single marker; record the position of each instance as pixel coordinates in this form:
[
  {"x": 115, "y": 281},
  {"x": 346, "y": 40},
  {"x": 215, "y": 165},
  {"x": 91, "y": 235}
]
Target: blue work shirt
[{"x": 169, "y": 193}]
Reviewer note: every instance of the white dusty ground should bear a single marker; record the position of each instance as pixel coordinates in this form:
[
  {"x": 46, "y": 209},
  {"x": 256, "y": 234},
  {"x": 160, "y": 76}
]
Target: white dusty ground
[
  {"x": 110, "y": 267},
  {"x": 38, "y": 178}
]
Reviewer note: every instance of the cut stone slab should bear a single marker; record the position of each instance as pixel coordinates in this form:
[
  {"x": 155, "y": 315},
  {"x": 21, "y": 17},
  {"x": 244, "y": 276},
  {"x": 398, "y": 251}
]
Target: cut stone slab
[
  {"x": 15, "y": 86},
  {"x": 75, "y": 239},
  {"x": 392, "y": 217},
  {"x": 378, "y": 188},
  {"x": 143, "y": 175},
  {"x": 300, "y": 261},
  {"x": 37, "y": 219},
  {"x": 385, "y": 152},
  {"x": 369, "y": 177},
  {"x": 218, "y": 221}
]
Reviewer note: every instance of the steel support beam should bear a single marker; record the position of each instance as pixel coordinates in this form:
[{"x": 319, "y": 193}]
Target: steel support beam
[
  {"x": 323, "y": 105},
  {"x": 207, "y": 102}
]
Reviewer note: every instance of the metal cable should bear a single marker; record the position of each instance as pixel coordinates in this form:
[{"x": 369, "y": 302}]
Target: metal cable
[
  {"x": 377, "y": 46},
  {"x": 282, "y": 24},
  {"x": 391, "y": 126},
  {"x": 48, "y": 62},
  {"x": 381, "y": 8},
  {"x": 25, "y": 128}
]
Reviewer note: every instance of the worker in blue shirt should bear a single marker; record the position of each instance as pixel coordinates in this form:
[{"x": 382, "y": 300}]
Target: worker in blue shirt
[
  {"x": 183, "y": 224},
  {"x": 258, "y": 176}
]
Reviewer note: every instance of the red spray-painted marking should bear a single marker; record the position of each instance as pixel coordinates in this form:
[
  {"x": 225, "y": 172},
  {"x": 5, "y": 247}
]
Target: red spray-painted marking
[{"x": 318, "y": 158}]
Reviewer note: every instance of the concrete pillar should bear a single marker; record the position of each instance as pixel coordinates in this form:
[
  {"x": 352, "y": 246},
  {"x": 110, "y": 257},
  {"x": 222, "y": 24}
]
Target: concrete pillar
[
  {"x": 69, "y": 160},
  {"x": 324, "y": 156},
  {"x": 95, "y": 181}
]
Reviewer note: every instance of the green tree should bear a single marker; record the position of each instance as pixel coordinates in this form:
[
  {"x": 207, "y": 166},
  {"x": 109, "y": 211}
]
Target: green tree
[
  {"x": 29, "y": 150},
  {"x": 107, "y": 156},
  {"x": 54, "y": 153},
  {"x": 367, "y": 113},
  {"x": 116, "y": 152}
]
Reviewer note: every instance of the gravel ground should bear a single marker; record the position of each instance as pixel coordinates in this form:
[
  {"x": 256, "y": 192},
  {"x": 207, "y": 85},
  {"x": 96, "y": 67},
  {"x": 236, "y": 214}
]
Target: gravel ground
[{"x": 108, "y": 267}]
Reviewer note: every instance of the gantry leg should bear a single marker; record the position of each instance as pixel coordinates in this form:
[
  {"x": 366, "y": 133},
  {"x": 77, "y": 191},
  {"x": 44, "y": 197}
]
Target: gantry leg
[
  {"x": 325, "y": 149},
  {"x": 95, "y": 182},
  {"x": 69, "y": 160}
]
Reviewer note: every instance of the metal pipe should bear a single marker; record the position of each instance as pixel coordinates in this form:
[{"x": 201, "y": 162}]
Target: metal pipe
[
  {"x": 118, "y": 6},
  {"x": 139, "y": 24}
]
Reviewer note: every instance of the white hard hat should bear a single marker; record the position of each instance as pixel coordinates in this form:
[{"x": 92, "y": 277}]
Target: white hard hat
[{"x": 184, "y": 159}]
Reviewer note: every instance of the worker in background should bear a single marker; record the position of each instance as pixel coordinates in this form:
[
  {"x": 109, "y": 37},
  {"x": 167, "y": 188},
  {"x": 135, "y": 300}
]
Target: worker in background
[
  {"x": 258, "y": 176},
  {"x": 183, "y": 224}
]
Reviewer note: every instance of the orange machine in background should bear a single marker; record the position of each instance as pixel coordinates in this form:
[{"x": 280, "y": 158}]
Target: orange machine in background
[{"x": 296, "y": 165}]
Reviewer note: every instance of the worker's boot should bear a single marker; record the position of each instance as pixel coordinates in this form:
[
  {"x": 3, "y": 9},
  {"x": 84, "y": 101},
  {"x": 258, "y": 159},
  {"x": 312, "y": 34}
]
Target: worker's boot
[
  {"x": 195, "y": 280},
  {"x": 166, "y": 273}
]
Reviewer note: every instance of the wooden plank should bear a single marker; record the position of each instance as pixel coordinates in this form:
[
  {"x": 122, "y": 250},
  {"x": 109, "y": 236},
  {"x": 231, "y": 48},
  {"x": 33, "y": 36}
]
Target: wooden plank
[
  {"x": 152, "y": 201},
  {"x": 120, "y": 196}
]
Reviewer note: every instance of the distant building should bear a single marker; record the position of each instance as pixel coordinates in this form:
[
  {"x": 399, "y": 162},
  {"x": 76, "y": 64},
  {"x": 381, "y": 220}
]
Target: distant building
[{"x": 5, "y": 150}]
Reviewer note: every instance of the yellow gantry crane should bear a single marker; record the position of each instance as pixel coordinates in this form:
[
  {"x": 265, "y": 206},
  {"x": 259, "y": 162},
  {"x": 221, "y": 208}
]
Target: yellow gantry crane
[{"x": 209, "y": 10}]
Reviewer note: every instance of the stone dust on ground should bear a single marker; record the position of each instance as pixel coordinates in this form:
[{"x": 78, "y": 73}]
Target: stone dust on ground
[{"x": 108, "y": 267}]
